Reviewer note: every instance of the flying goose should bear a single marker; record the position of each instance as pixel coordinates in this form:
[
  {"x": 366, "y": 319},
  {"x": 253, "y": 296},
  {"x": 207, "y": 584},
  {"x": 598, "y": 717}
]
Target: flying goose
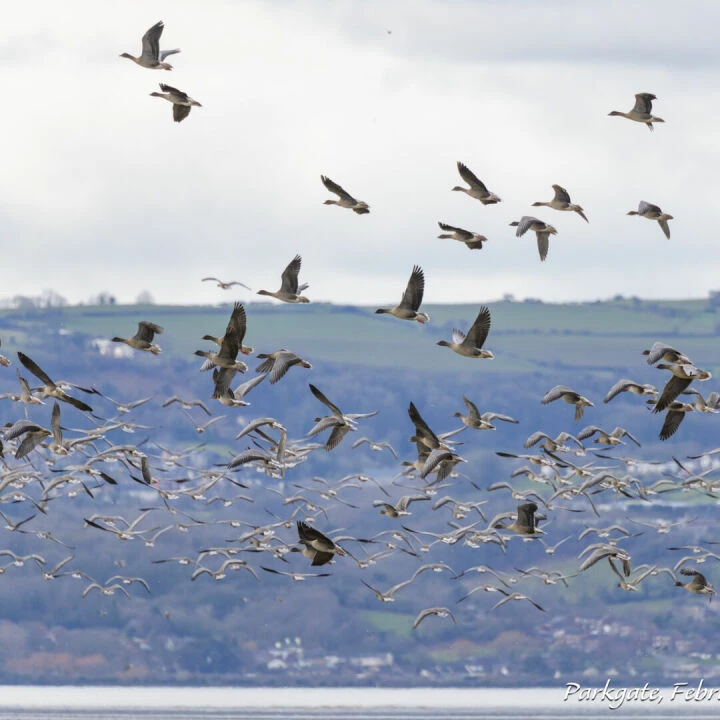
[
  {"x": 341, "y": 423},
  {"x": 561, "y": 201},
  {"x": 344, "y": 198},
  {"x": 625, "y": 385},
  {"x": 480, "y": 422},
  {"x": 225, "y": 285},
  {"x": 182, "y": 102},
  {"x": 143, "y": 338},
  {"x": 472, "y": 240},
  {"x": 320, "y": 548},
  {"x": 278, "y": 363},
  {"x": 151, "y": 56},
  {"x": 524, "y": 524},
  {"x": 441, "y": 612},
  {"x": 682, "y": 375},
  {"x": 661, "y": 351},
  {"x": 411, "y": 299},
  {"x": 612, "y": 438},
  {"x": 400, "y": 508},
  {"x": 541, "y": 229},
  {"x": 653, "y": 212},
  {"x": 289, "y": 291},
  {"x": 50, "y": 389},
  {"x": 698, "y": 585},
  {"x": 569, "y": 396},
  {"x": 470, "y": 345},
  {"x": 477, "y": 188},
  {"x": 230, "y": 345},
  {"x": 642, "y": 110}
]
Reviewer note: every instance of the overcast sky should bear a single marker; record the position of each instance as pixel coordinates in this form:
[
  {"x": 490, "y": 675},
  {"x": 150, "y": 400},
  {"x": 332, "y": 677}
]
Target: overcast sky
[{"x": 102, "y": 191}]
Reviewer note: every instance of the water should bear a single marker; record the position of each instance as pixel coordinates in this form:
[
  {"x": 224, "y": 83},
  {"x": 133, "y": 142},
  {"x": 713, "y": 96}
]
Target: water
[{"x": 162, "y": 703}]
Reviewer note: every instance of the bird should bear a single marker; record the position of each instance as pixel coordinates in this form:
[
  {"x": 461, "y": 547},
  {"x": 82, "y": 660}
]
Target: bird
[
  {"x": 278, "y": 363},
  {"x": 182, "y": 102},
  {"x": 697, "y": 585},
  {"x": 230, "y": 345},
  {"x": 682, "y": 375},
  {"x": 642, "y": 110},
  {"x": 472, "y": 240},
  {"x": 225, "y": 285},
  {"x": 224, "y": 394},
  {"x": 344, "y": 198},
  {"x": 341, "y": 423},
  {"x": 477, "y": 421},
  {"x": 400, "y": 508},
  {"x": 143, "y": 338},
  {"x": 569, "y": 396},
  {"x": 612, "y": 438},
  {"x": 477, "y": 188},
  {"x": 316, "y": 546},
  {"x": 653, "y": 212},
  {"x": 375, "y": 446},
  {"x": 676, "y": 412},
  {"x": 561, "y": 201},
  {"x": 514, "y": 596},
  {"x": 541, "y": 229},
  {"x": 470, "y": 345},
  {"x": 151, "y": 56},
  {"x": 289, "y": 291},
  {"x": 661, "y": 351},
  {"x": 441, "y": 612},
  {"x": 625, "y": 385},
  {"x": 524, "y": 524},
  {"x": 409, "y": 306},
  {"x": 50, "y": 389},
  {"x": 296, "y": 576},
  {"x": 4, "y": 361},
  {"x": 187, "y": 404}
]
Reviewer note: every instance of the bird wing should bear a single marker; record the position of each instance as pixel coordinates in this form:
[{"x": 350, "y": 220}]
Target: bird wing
[
  {"x": 151, "y": 42},
  {"x": 421, "y": 427},
  {"x": 180, "y": 112},
  {"x": 147, "y": 330},
  {"x": 524, "y": 224},
  {"x": 321, "y": 397},
  {"x": 35, "y": 369},
  {"x": 645, "y": 207},
  {"x": 671, "y": 424},
  {"x": 413, "y": 295},
  {"x": 471, "y": 179},
  {"x": 283, "y": 362},
  {"x": 338, "y": 433},
  {"x": 289, "y": 277},
  {"x": 333, "y": 187},
  {"x": 179, "y": 95},
  {"x": 55, "y": 423},
  {"x": 672, "y": 389},
  {"x": 561, "y": 193},
  {"x": 643, "y": 102},
  {"x": 480, "y": 328},
  {"x": 665, "y": 227},
  {"x": 557, "y": 392},
  {"x": 473, "y": 412},
  {"x": 543, "y": 243}
]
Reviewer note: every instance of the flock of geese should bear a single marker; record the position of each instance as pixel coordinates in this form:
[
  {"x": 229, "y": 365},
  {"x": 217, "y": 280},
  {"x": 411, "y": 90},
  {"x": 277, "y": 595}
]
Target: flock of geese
[{"x": 47, "y": 466}]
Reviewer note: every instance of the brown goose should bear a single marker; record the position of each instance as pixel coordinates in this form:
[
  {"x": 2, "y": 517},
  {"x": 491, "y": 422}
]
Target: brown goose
[
  {"x": 561, "y": 201},
  {"x": 409, "y": 306},
  {"x": 151, "y": 56},
  {"x": 542, "y": 231},
  {"x": 316, "y": 546},
  {"x": 182, "y": 102},
  {"x": 230, "y": 344},
  {"x": 472, "y": 240},
  {"x": 289, "y": 291},
  {"x": 50, "y": 389},
  {"x": 470, "y": 345},
  {"x": 569, "y": 396},
  {"x": 653, "y": 212},
  {"x": 477, "y": 188},
  {"x": 642, "y": 110},
  {"x": 345, "y": 199},
  {"x": 278, "y": 363},
  {"x": 697, "y": 585},
  {"x": 143, "y": 338}
]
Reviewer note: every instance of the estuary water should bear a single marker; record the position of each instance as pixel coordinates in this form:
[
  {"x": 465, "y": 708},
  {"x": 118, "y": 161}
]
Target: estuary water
[{"x": 160, "y": 703}]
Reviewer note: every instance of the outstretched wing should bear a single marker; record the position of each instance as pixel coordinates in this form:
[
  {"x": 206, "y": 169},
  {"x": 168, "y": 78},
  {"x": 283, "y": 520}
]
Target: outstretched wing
[
  {"x": 643, "y": 102},
  {"x": 147, "y": 330},
  {"x": 480, "y": 328},
  {"x": 151, "y": 43},
  {"x": 470, "y": 178},
  {"x": 413, "y": 295},
  {"x": 333, "y": 187},
  {"x": 561, "y": 193},
  {"x": 289, "y": 278},
  {"x": 323, "y": 399},
  {"x": 35, "y": 369}
]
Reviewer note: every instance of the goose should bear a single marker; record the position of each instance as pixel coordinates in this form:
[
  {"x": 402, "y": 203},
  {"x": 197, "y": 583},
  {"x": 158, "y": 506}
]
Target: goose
[
  {"x": 524, "y": 524},
  {"x": 476, "y": 421},
  {"x": 514, "y": 596},
  {"x": 612, "y": 438},
  {"x": 289, "y": 291},
  {"x": 569, "y": 396},
  {"x": 625, "y": 385},
  {"x": 375, "y": 446},
  {"x": 557, "y": 444},
  {"x": 661, "y": 351},
  {"x": 409, "y": 306},
  {"x": 151, "y": 56},
  {"x": 470, "y": 345},
  {"x": 225, "y": 285},
  {"x": 50, "y": 389},
  {"x": 472, "y": 240},
  {"x": 561, "y": 201},
  {"x": 711, "y": 405},
  {"x": 187, "y": 404},
  {"x": 642, "y": 110},
  {"x": 182, "y": 102},
  {"x": 230, "y": 345},
  {"x": 278, "y": 363},
  {"x": 653, "y": 212},
  {"x": 400, "y": 508},
  {"x": 316, "y": 546},
  {"x": 344, "y": 198},
  {"x": 541, "y": 229},
  {"x": 143, "y": 338},
  {"x": 682, "y": 375},
  {"x": 477, "y": 188},
  {"x": 341, "y": 423},
  {"x": 697, "y": 585}
]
